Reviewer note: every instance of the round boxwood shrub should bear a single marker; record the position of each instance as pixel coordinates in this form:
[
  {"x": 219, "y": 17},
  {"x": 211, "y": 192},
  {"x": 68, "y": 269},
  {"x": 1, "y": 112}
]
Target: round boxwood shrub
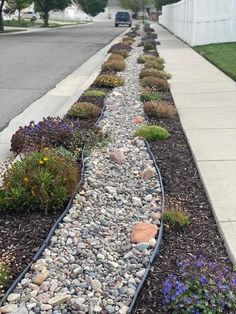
[
  {"x": 154, "y": 64},
  {"x": 109, "y": 81},
  {"x": 152, "y": 133},
  {"x": 84, "y": 110},
  {"x": 150, "y": 96},
  {"x": 155, "y": 73},
  {"x": 50, "y": 132},
  {"x": 40, "y": 181},
  {"x": 159, "y": 109},
  {"x": 113, "y": 65},
  {"x": 155, "y": 84}
]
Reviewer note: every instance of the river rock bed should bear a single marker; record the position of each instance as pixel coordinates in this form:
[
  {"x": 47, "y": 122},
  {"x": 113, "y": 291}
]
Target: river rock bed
[{"x": 94, "y": 263}]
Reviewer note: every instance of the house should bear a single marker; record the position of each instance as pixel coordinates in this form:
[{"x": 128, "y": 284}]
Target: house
[{"x": 113, "y": 6}]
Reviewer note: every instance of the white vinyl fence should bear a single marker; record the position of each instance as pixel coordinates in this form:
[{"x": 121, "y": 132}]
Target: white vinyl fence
[{"x": 200, "y": 22}]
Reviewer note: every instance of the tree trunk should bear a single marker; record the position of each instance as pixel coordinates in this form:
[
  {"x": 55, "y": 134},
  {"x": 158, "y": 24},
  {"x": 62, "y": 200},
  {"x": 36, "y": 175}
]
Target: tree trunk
[
  {"x": 45, "y": 19},
  {"x": 1, "y": 19},
  {"x": 19, "y": 16}
]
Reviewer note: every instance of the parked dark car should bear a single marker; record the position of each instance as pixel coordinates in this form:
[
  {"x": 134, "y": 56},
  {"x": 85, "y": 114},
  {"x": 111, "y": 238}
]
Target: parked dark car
[{"x": 123, "y": 18}]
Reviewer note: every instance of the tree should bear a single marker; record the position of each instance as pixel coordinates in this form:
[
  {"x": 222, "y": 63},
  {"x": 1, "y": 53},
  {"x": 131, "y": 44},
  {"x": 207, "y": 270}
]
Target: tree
[
  {"x": 134, "y": 5},
  {"x": 18, "y": 5},
  {"x": 1, "y": 18},
  {"x": 45, "y": 6},
  {"x": 160, "y": 3},
  {"x": 92, "y": 7}
]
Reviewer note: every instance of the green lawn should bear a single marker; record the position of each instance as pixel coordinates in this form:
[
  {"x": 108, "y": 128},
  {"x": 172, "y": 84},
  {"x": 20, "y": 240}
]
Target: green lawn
[
  {"x": 27, "y": 23},
  {"x": 221, "y": 55}
]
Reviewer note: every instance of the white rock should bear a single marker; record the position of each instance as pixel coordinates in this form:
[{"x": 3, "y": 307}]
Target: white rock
[
  {"x": 59, "y": 299},
  {"x": 136, "y": 201},
  {"x": 13, "y": 297},
  {"x": 152, "y": 242},
  {"x": 8, "y": 308}
]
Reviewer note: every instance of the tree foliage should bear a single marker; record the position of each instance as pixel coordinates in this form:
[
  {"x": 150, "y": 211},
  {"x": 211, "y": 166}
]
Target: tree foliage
[
  {"x": 92, "y": 7},
  {"x": 18, "y": 5},
  {"x": 45, "y": 6},
  {"x": 134, "y": 5},
  {"x": 160, "y": 3}
]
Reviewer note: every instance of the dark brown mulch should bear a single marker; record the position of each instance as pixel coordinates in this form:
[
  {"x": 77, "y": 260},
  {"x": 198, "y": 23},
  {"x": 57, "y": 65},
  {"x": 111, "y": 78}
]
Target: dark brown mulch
[
  {"x": 21, "y": 235},
  {"x": 184, "y": 190}
]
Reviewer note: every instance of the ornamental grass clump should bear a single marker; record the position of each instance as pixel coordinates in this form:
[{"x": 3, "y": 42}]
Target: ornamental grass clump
[
  {"x": 152, "y": 133},
  {"x": 201, "y": 286},
  {"x": 176, "y": 219},
  {"x": 148, "y": 96},
  {"x": 113, "y": 66},
  {"x": 155, "y": 73},
  {"x": 40, "y": 181},
  {"x": 154, "y": 64},
  {"x": 155, "y": 84},
  {"x": 84, "y": 110},
  {"x": 50, "y": 132},
  {"x": 94, "y": 93},
  {"x": 109, "y": 81},
  {"x": 159, "y": 109}
]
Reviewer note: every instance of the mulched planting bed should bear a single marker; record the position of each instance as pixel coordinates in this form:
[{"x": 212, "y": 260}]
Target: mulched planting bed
[
  {"x": 184, "y": 190},
  {"x": 21, "y": 236}
]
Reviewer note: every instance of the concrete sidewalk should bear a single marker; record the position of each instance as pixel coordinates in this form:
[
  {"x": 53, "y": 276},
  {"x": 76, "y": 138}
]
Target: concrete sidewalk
[{"x": 206, "y": 101}]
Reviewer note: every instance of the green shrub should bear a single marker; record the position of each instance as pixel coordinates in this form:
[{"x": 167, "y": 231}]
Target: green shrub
[
  {"x": 155, "y": 84},
  {"x": 109, "y": 81},
  {"x": 159, "y": 109},
  {"x": 94, "y": 93},
  {"x": 150, "y": 96},
  {"x": 155, "y": 73},
  {"x": 84, "y": 110},
  {"x": 176, "y": 219},
  {"x": 4, "y": 276},
  {"x": 113, "y": 65},
  {"x": 40, "y": 181},
  {"x": 148, "y": 47},
  {"x": 152, "y": 133},
  {"x": 154, "y": 64},
  {"x": 143, "y": 58}
]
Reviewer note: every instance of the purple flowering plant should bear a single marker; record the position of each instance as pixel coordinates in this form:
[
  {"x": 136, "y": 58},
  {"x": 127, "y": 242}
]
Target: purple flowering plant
[
  {"x": 202, "y": 286},
  {"x": 50, "y": 132}
]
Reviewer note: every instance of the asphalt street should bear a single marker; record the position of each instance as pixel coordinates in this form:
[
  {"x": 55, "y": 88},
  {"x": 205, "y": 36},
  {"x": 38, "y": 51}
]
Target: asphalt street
[{"x": 31, "y": 64}]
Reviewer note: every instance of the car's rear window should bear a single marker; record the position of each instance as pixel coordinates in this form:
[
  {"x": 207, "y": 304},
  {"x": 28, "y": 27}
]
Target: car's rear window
[{"x": 122, "y": 14}]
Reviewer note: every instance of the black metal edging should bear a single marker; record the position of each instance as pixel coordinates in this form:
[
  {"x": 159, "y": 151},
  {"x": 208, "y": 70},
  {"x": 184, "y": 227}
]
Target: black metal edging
[{"x": 159, "y": 239}]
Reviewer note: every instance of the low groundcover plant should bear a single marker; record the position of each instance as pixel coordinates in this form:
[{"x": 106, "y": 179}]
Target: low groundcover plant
[{"x": 202, "y": 286}]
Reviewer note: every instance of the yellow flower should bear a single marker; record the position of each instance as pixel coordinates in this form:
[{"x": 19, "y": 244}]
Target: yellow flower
[
  {"x": 45, "y": 158},
  {"x": 46, "y": 149},
  {"x": 26, "y": 179},
  {"x": 41, "y": 162}
]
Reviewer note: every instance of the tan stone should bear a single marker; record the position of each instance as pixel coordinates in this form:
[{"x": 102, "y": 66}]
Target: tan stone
[
  {"x": 117, "y": 155},
  {"x": 138, "y": 120},
  {"x": 147, "y": 173},
  {"x": 39, "y": 279},
  {"x": 59, "y": 299},
  {"x": 143, "y": 232}
]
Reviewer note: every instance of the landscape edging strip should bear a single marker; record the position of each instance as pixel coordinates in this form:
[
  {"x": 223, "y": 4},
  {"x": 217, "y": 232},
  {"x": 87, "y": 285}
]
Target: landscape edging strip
[{"x": 159, "y": 239}]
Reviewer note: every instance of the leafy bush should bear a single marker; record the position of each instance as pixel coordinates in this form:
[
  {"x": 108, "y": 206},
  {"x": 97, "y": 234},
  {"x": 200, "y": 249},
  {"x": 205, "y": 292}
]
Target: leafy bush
[
  {"x": 94, "y": 93},
  {"x": 113, "y": 65},
  {"x": 155, "y": 84},
  {"x": 155, "y": 73},
  {"x": 109, "y": 81},
  {"x": 150, "y": 96},
  {"x": 202, "y": 286},
  {"x": 4, "y": 276},
  {"x": 84, "y": 110},
  {"x": 40, "y": 181},
  {"x": 159, "y": 109},
  {"x": 115, "y": 57},
  {"x": 154, "y": 64},
  {"x": 176, "y": 219},
  {"x": 149, "y": 46},
  {"x": 50, "y": 132},
  {"x": 122, "y": 53},
  {"x": 119, "y": 46},
  {"x": 152, "y": 133}
]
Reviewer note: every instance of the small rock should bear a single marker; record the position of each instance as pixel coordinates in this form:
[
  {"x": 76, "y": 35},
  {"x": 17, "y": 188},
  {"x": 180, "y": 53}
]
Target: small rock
[
  {"x": 140, "y": 273},
  {"x": 138, "y": 120},
  {"x": 111, "y": 190},
  {"x": 117, "y": 155},
  {"x": 142, "y": 246},
  {"x": 152, "y": 242},
  {"x": 59, "y": 299},
  {"x": 96, "y": 285},
  {"x": 136, "y": 201},
  {"x": 13, "y": 297},
  {"x": 147, "y": 173},
  {"x": 8, "y": 308},
  {"x": 39, "y": 279},
  {"x": 143, "y": 232},
  {"x": 156, "y": 215},
  {"x": 45, "y": 307},
  {"x": 148, "y": 198},
  {"x": 97, "y": 309},
  {"x": 123, "y": 309}
]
